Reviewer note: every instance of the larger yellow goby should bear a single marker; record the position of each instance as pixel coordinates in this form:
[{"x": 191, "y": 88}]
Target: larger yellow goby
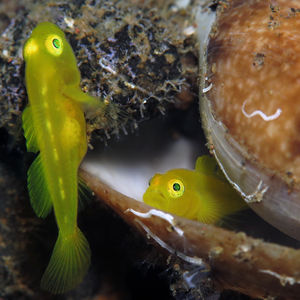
[{"x": 54, "y": 125}]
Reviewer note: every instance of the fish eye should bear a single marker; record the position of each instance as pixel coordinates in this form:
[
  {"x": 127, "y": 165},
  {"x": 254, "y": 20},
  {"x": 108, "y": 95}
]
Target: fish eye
[
  {"x": 175, "y": 188},
  {"x": 54, "y": 44}
]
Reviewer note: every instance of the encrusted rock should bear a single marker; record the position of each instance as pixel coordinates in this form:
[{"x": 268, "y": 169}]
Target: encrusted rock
[{"x": 136, "y": 55}]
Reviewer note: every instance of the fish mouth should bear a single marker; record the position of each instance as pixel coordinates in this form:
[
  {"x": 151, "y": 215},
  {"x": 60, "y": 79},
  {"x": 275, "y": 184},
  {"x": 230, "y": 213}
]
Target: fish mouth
[{"x": 155, "y": 198}]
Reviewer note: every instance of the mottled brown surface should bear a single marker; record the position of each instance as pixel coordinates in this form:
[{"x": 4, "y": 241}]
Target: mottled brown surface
[{"x": 255, "y": 67}]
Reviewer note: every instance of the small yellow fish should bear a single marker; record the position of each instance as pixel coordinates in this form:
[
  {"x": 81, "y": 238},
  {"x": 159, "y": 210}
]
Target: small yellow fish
[
  {"x": 202, "y": 194},
  {"x": 54, "y": 125}
]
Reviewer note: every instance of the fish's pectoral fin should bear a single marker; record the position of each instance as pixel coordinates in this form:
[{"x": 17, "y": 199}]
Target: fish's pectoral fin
[
  {"x": 101, "y": 113},
  {"x": 69, "y": 263},
  {"x": 29, "y": 132},
  {"x": 38, "y": 190},
  {"x": 85, "y": 194},
  {"x": 207, "y": 165},
  {"x": 75, "y": 93},
  {"x": 210, "y": 211}
]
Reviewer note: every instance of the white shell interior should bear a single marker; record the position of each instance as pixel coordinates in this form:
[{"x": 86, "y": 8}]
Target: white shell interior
[{"x": 127, "y": 165}]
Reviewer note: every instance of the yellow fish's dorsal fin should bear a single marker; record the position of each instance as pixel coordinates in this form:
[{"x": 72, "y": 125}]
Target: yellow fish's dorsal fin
[
  {"x": 38, "y": 191},
  {"x": 29, "y": 133},
  {"x": 69, "y": 263},
  {"x": 84, "y": 194},
  {"x": 207, "y": 165}
]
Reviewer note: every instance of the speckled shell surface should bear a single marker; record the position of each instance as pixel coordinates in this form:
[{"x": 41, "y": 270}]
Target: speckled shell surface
[{"x": 251, "y": 110}]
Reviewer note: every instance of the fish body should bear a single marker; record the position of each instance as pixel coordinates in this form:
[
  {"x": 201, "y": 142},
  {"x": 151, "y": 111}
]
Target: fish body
[
  {"x": 202, "y": 194},
  {"x": 54, "y": 125}
]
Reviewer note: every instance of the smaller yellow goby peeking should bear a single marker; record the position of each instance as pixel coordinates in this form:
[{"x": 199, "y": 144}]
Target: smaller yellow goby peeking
[
  {"x": 54, "y": 125},
  {"x": 202, "y": 194}
]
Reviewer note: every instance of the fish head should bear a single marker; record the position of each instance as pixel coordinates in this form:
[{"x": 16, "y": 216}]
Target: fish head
[
  {"x": 49, "y": 53},
  {"x": 173, "y": 191}
]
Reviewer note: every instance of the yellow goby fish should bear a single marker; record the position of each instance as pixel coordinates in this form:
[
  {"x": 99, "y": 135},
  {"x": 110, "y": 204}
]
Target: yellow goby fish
[
  {"x": 202, "y": 194},
  {"x": 54, "y": 125}
]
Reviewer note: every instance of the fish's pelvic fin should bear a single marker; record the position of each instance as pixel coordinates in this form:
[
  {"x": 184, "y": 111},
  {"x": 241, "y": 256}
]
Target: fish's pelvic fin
[
  {"x": 38, "y": 190},
  {"x": 69, "y": 263},
  {"x": 29, "y": 132}
]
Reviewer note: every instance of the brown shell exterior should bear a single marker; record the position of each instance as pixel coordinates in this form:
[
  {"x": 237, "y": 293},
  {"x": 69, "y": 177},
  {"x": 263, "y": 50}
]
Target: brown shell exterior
[{"x": 254, "y": 68}]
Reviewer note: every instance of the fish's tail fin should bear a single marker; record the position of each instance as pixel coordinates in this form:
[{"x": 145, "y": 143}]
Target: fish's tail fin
[{"x": 69, "y": 263}]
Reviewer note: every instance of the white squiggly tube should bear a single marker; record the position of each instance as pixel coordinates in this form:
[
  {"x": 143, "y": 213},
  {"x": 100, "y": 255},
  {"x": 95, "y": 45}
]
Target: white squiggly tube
[
  {"x": 158, "y": 213},
  {"x": 261, "y": 114}
]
